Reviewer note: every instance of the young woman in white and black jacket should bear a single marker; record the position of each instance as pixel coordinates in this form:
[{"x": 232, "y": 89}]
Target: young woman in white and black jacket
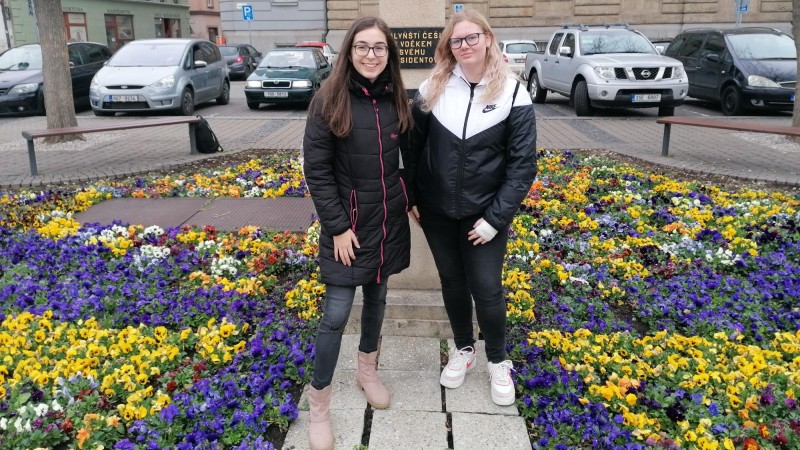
[
  {"x": 357, "y": 127},
  {"x": 472, "y": 161}
]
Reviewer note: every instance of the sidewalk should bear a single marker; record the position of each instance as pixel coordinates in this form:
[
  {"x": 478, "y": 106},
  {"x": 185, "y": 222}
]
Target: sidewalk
[{"x": 116, "y": 154}]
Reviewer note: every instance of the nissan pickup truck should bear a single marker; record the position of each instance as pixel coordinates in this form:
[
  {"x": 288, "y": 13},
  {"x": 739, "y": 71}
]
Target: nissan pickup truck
[{"x": 606, "y": 66}]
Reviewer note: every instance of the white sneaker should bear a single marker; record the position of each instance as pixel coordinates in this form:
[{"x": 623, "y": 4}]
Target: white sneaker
[
  {"x": 459, "y": 363},
  {"x": 501, "y": 383}
]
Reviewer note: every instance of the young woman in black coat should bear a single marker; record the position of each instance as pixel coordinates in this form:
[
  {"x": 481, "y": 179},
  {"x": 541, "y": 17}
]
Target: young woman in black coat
[{"x": 357, "y": 127}]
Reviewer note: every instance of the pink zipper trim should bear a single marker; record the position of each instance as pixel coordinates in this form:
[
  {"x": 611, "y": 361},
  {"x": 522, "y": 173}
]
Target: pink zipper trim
[
  {"x": 353, "y": 209},
  {"x": 383, "y": 182},
  {"x": 403, "y": 183}
]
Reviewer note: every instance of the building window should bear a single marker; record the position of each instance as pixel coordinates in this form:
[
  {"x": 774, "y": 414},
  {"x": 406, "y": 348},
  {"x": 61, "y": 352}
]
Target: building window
[
  {"x": 210, "y": 4},
  {"x": 75, "y": 24},
  {"x": 167, "y": 28},
  {"x": 119, "y": 31},
  {"x": 213, "y": 34}
]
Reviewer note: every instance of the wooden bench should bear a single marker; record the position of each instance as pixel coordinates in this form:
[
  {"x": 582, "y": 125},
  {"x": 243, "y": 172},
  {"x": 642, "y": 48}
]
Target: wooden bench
[
  {"x": 121, "y": 125},
  {"x": 736, "y": 125}
]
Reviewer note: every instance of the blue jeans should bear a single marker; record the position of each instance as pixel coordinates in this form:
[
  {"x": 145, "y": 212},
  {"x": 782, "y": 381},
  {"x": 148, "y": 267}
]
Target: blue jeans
[
  {"x": 469, "y": 272},
  {"x": 338, "y": 303}
]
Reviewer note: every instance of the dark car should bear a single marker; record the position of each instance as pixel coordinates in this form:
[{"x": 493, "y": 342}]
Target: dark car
[
  {"x": 742, "y": 69},
  {"x": 287, "y": 75},
  {"x": 22, "y": 83},
  {"x": 242, "y": 59}
]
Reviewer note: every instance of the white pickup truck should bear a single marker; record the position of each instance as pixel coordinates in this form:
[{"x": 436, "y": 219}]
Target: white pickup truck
[{"x": 606, "y": 66}]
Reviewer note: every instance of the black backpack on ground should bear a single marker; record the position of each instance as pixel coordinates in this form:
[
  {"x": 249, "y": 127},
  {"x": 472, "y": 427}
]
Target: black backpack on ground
[{"x": 205, "y": 139}]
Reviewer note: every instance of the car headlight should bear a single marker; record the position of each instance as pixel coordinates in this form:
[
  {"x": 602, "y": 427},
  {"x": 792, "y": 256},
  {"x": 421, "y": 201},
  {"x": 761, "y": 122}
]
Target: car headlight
[
  {"x": 607, "y": 73},
  {"x": 301, "y": 84},
  {"x": 95, "y": 85},
  {"x": 678, "y": 72},
  {"x": 164, "y": 83},
  {"x": 22, "y": 89},
  {"x": 759, "y": 81},
  {"x": 253, "y": 83}
]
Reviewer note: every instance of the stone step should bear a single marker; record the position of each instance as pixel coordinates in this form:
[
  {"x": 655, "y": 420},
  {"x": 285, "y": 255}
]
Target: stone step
[{"x": 409, "y": 312}]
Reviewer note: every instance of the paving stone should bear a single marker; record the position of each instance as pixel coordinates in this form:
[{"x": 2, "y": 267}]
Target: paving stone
[
  {"x": 413, "y": 391},
  {"x": 483, "y": 431},
  {"x": 394, "y": 430},
  {"x": 348, "y": 427},
  {"x": 409, "y": 353}
]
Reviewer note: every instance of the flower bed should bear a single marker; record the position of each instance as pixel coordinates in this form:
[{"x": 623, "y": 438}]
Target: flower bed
[{"x": 643, "y": 312}]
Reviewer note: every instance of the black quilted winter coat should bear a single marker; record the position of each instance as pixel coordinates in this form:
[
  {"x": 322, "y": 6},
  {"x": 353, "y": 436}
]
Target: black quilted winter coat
[{"x": 355, "y": 183}]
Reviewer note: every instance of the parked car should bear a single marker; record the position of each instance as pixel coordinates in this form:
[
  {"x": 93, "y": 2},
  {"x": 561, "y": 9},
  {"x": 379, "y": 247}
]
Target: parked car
[
  {"x": 742, "y": 69},
  {"x": 161, "y": 75},
  {"x": 514, "y": 53},
  {"x": 22, "y": 83},
  {"x": 242, "y": 59},
  {"x": 606, "y": 66},
  {"x": 287, "y": 75},
  {"x": 327, "y": 50}
]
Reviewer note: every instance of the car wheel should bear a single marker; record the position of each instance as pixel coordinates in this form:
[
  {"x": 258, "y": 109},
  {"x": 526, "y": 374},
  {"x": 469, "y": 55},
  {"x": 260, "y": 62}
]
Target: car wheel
[
  {"x": 104, "y": 113},
  {"x": 583, "y": 106},
  {"x": 187, "y": 103},
  {"x": 732, "y": 102},
  {"x": 538, "y": 95},
  {"x": 247, "y": 71},
  {"x": 665, "y": 111},
  {"x": 253, "y": 105},
  {"x": 225, "y": 96}
]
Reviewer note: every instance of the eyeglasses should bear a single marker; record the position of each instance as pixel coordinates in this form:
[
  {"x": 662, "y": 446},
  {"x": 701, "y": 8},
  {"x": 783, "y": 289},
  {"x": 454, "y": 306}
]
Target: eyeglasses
[
  {"x": 378, "y": 50},
  {"x": 472, "y": 39}
]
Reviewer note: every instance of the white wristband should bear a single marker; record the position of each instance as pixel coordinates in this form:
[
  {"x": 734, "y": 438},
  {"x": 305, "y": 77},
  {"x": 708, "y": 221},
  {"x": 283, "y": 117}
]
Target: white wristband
[{"x": 486, "y": 231}]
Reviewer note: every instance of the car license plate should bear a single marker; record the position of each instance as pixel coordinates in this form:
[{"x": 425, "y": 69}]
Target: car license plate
[
  {"x": 646, "y": 98},
  {"x": 123, "y": 98},
  {"x": 276, "y": 94},
  {"x": 519, "y": 60}
]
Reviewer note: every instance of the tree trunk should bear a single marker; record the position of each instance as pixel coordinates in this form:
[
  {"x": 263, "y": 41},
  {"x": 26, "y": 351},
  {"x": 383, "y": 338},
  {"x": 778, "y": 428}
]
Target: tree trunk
[
  {"x": 58, "y": 101},
  {"x": 796, "y": 34}
]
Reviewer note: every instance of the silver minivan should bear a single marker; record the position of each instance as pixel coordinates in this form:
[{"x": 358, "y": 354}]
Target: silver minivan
[{"x": 161, "y": 75}]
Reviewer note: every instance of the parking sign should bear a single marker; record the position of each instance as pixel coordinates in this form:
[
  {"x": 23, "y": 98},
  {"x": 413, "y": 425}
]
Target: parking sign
[
  {"x": 458, "y": 7},
  {"x": 247, "y": 13}
]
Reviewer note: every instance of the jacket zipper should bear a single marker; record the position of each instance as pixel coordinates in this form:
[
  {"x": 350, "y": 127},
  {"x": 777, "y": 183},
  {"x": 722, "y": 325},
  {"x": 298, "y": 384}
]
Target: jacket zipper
[
  {"x": 383, "y": 181},
  {"x": 353, "y": 209},
  {"x": 462, "y": 155}
]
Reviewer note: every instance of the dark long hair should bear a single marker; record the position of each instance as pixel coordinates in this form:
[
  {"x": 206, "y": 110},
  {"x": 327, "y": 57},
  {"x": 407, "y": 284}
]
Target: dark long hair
[{"x": 334, "y": 96}]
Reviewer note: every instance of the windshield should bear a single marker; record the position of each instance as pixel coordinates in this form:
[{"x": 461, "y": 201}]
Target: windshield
[
  {"x": 229, "y": 51},
  {"x": 288, "y": 60},
  {"x": 763, "y": 46},
  {"x": 521, "y": 48},
  {"x": 598, "y": 42},
  {"x": 28, "y": 57},
  {"x": 148, "y": 55}
]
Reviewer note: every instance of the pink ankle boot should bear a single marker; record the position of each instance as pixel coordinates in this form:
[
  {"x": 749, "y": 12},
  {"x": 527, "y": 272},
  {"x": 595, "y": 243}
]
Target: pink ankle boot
[
  {"x": 320, "y": 431},
  {"x": 367, "y": 378}
]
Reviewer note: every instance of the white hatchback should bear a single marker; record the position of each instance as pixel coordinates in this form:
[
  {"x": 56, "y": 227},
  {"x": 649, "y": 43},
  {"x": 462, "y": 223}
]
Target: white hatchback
[{"x": 514, "y": 53}]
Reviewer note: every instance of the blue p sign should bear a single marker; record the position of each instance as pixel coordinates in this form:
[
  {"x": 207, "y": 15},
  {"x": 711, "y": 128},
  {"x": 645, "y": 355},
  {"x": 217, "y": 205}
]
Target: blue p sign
[
  {"x": 458, "y": 7},
  {"x": 247, "y": 12}
]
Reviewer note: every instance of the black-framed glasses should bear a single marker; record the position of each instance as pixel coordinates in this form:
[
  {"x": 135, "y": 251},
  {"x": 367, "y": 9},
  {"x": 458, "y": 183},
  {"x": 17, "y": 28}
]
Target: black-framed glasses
[
  {"x": 471, "y": 39},
  {"x": 378, "y": 50}
]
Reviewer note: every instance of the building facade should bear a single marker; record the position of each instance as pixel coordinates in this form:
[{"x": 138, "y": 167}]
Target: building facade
[
  {"x": 204, "y": 19},
  {"x": 283, "y": 22},
  {"x": 111, "y": 22}
]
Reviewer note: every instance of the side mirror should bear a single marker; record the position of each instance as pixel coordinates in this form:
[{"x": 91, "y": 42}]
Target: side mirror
[
  {"x": 713, "y": 57},
  {"x": 565, "y": 51},
  {"x": 71, "y": 65},
  {"x": 200, "y": 64}
]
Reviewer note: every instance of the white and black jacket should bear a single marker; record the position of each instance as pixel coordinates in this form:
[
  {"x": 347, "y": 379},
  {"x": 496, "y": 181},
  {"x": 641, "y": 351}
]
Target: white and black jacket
[{"x": 469, "y": 158}]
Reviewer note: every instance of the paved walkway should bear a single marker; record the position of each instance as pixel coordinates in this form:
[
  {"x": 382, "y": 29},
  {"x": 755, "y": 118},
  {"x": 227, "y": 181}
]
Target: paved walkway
[{"x": 115, "y": 154}]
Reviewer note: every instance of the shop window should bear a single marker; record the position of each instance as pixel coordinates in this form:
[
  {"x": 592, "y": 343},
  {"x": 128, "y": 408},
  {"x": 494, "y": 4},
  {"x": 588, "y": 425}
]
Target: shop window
[
  {"x": 119, "y": 31},
  {"x": 167, "y": 28},
  {"x": 75, "y": 24}
]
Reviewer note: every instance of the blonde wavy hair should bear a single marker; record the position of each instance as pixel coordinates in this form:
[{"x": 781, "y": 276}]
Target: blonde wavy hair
[{"x": 496, "y": 70}]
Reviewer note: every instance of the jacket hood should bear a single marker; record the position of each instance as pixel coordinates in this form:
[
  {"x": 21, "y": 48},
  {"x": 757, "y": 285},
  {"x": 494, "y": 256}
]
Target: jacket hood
[
  {"x": 12, "y": 78},
  {"x": 139, "y": 76}
]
